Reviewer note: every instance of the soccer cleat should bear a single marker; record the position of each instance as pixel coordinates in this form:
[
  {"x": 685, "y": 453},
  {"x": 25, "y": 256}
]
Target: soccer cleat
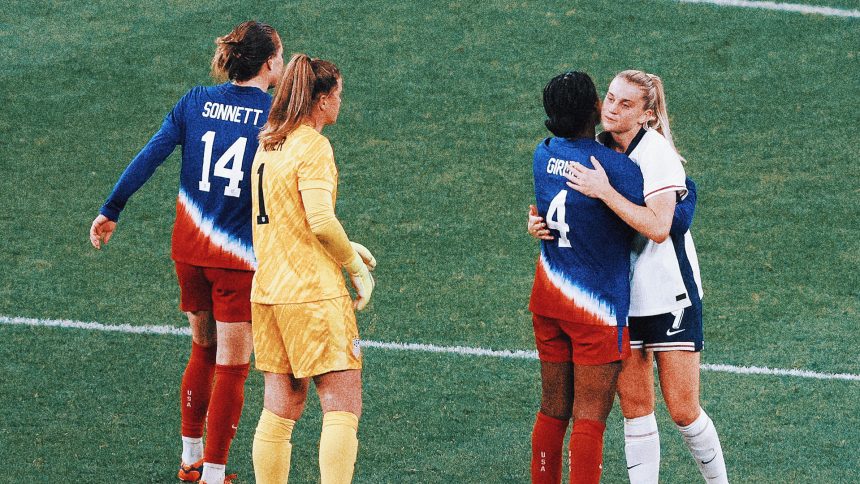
[
  {"x": 190, "y": 473},
  {"x": 227, "y": 479}
]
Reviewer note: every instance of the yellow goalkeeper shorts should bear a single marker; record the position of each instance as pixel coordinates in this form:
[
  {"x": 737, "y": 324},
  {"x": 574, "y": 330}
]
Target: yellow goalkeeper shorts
[{"x": 306, "y": 339}]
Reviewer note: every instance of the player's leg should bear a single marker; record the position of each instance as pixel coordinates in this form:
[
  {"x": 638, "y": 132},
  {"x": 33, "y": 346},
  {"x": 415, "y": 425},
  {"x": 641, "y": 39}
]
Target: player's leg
[
  {"x": 636, "y": 395},
  {"x": 284, "y": 397},
  {"x": 556, "y": 403},
  {"x": 340, "y": 399},
  {"x": 197, "y": 379},
  {"x": 594, "y": 392},
  {"x": 597, "y": 355},
  {"x": 228, "y": 396},
  {"x": 283, "y": 404},
  {"x": 231, "y": 294},
  {"x": 320, "y": 340},
  {"x": 679, "y": 382}
]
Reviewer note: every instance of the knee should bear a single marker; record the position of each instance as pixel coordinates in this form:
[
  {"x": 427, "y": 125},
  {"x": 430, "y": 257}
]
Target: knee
[
  {"x": 683, "y": 414},
  {"x": 290, "y": 408},
  {"x": 202, "y": 328},
  {"x": 635, "y": 403},
  {"x": 556, "y": 411},
  {"x": 341, "y": 402},
  {"x": 556, "y": 404}
]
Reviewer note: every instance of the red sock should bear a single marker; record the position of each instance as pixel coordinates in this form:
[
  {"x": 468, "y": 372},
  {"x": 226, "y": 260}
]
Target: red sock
[
  {"x": 586, "y": 451},
  {"x": 547, "y": 443},
  {"x": 196, "y": 388},
  {"x": 228, "y": 396}
]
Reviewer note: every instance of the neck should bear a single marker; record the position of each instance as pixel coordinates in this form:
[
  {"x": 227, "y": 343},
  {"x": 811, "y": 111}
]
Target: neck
[
  {"x": 260, "y": 82},
  {"x": 624, "y": 139},
  {"x": 587, "y": 133},
  {"x": 314, "y": 122}
]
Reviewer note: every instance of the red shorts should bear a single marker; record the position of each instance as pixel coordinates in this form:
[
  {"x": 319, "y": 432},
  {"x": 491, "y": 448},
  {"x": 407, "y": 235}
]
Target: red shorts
[
  {"x": 225, "y": 292},
  {"x": 560, "y": 341}
]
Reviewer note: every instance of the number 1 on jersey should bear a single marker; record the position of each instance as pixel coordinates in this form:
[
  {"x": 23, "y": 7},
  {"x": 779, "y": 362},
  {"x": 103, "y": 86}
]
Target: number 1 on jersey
[
  {"x": 555, "y": 218},
  {"x": 262, "y": 216}
]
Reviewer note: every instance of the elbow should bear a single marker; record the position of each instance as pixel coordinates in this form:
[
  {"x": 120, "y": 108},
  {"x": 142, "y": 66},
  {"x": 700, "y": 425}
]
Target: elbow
[{"x": 659, "y": 237}]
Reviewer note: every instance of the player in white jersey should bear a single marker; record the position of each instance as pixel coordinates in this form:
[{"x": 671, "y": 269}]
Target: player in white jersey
[{"x": 665, "y": 307}]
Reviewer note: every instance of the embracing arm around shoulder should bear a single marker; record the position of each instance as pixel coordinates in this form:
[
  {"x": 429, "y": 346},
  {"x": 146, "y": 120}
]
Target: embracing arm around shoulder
[{"x": 653, "y": 220}]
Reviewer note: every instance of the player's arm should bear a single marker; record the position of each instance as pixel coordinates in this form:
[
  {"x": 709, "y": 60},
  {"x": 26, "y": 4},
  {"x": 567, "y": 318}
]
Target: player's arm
[
  {"x": 653, "y": 220},
  {"x": 135, "y": 175},
  {"x": 319, "y": 210},
  {"x": 684, "y": 210}
]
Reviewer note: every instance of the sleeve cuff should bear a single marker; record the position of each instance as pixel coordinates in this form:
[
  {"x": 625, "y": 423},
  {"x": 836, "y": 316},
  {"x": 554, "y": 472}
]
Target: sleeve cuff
[
  {"x": 316, "y": 184},
  {"x": 111, "y": 213}
]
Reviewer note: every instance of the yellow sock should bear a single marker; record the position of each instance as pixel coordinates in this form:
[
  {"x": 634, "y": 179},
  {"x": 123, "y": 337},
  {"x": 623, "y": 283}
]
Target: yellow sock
[
  {"x": 338, "y": 447},
  {"x": 272, "y": 448}
]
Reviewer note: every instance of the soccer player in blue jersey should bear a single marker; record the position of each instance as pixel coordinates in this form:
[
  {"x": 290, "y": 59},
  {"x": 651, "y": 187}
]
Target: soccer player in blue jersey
[
  {"x": 217, "y": 127},
  {"x": 666, "y": 305},
  {"x": 581, "y": 291}
]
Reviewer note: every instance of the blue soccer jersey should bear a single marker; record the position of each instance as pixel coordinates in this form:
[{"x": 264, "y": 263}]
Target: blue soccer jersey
[
  {"x": 583, "y": 275},
  {"x": 217, "y": 127}
]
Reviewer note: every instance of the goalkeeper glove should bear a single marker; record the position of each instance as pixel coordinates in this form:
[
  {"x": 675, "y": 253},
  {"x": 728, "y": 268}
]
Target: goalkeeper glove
[
  {"x": 365, "y": 254},
  {"x": 362, "y": 281}
]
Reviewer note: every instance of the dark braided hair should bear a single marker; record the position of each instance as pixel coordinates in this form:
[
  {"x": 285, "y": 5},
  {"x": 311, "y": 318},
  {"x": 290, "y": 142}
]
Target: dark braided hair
[
  {"x": 241, "y": 53},
  {"x": 570, "y": 102}
]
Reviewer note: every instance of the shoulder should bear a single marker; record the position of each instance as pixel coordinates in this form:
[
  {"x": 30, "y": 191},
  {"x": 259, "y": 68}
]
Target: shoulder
[
  {"x": 316, "y": 145},
  {"x": 543, "y": 145},
  {"x": 654, "y": 147},
  {"x": 613, "y": 158}
]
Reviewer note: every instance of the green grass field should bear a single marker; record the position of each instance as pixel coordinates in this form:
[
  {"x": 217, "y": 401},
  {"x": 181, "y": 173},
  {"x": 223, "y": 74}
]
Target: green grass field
[{"x": 441, "y": 112}]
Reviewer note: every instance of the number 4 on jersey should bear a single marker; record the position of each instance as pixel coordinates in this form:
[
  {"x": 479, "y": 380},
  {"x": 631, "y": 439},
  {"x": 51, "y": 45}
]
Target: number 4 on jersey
[
  {"x": 235, "y": 152},
  {"x": 555, "y": 218}
]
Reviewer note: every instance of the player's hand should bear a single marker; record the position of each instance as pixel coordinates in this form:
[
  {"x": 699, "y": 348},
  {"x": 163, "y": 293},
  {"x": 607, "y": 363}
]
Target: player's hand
[
  {"x": 366, "y": 255},
  {"x": 101, "y": 230},
  {"x": 591, "y": 183},
  {"x": 536, "y": 226},
  {"x": 361, "y": 280}
]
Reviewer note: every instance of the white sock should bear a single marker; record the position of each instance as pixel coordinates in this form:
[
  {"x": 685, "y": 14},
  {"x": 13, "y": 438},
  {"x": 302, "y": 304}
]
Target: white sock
[
  {"x": 642, "y": 449},
  {"x": 213, "y": 473},
  {"x": 192, "y": 449},
  {"x": 704, "y": 443}
]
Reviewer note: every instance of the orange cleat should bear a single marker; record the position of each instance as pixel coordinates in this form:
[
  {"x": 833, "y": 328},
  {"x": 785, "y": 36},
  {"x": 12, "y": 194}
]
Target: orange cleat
[{"x": 190, "y": 473}]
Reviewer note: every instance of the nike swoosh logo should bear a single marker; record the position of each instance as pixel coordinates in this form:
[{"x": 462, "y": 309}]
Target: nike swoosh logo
[
  {"x": 639, "y": 464},
  {"x": 712, "y": 458},
  {"x": 669, "y": 332}
]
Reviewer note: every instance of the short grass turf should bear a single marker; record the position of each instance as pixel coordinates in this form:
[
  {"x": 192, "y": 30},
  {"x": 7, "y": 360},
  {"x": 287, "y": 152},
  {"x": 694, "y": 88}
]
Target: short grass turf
[{"x": 441, "y": 112}]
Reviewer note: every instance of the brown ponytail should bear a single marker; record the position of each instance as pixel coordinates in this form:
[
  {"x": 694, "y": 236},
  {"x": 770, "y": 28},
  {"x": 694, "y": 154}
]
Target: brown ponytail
[
  {"x": 304, "y": 80},
  {"x": 241, "y": 54}
]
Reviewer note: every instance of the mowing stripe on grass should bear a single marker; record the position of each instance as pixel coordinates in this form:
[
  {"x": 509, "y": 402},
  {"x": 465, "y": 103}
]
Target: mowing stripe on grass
[
  {"x": 784, "y": 7},
  {"x": 428, "y": 348}
]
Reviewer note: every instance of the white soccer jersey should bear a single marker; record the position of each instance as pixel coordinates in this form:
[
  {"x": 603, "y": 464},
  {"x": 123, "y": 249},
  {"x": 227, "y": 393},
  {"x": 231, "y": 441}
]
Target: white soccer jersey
[{"x": 657, "y": 283}]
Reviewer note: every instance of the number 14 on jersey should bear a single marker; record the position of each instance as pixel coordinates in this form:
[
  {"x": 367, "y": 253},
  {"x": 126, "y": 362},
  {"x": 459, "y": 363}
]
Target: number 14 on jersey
[{"x": 234, "y": 173}]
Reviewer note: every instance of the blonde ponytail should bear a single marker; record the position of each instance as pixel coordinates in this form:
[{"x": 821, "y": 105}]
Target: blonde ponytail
[
  {"x": 292, "y": 104},
  {"x": 655, "y": 100}
]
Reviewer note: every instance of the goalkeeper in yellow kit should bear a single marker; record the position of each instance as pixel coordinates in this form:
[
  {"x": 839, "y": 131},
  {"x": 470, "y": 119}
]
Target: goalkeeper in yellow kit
[{"x": 303, "y": 320}]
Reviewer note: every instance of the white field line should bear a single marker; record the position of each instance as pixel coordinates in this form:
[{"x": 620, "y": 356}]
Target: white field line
[
  {"x": 784, "y": 7},
  {"x": 427, "y": 348}
]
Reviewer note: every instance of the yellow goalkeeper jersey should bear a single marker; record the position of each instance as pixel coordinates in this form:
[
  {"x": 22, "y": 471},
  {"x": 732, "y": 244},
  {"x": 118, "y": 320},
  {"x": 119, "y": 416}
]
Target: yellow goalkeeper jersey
[{"x": 292, "y": 265}]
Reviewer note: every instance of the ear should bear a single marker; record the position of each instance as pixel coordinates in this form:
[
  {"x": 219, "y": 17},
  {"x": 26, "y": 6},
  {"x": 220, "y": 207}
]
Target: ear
[{"x": 647, "y": 116}]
